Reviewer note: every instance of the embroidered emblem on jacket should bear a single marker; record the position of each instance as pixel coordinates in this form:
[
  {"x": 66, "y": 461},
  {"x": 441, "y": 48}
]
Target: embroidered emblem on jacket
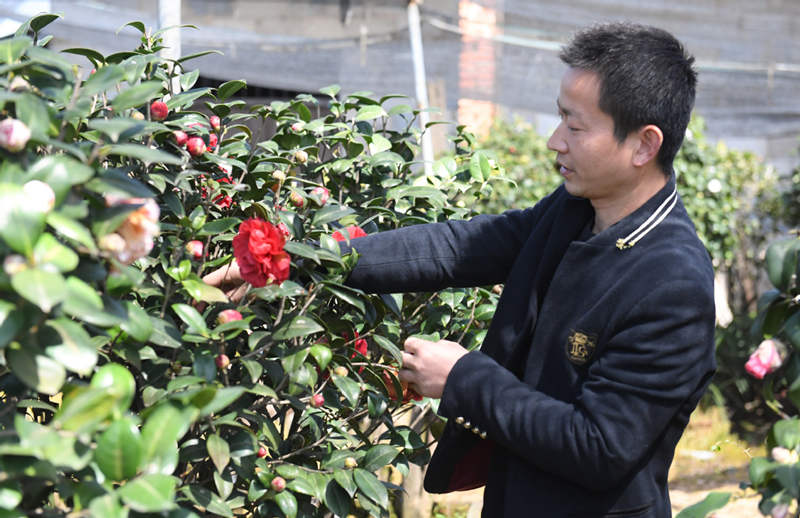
[{"x": 580, "y": 346}]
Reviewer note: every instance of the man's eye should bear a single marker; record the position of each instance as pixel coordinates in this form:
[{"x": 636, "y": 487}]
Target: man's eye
[{"x": 573, "y": 129}]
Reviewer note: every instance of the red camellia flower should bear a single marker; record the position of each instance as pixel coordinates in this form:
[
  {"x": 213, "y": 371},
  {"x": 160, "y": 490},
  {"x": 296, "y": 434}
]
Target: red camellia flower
[
  {"x": 212, "y": 140},
  {"x": 215, "y": 122},
  {"x": 353, "y": 231},
  {"x": 766, "y": 359},
  {"x": 258, "y": 248}
]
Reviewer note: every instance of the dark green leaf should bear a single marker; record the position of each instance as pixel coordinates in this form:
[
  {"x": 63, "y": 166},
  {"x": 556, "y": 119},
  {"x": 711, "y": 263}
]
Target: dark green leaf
[
  {"x": 95, "y": 57},
  {"x": 371, "y": 487},
  {"x": 35, "y": 370},
  {"x": 207, "y": 500},
  {"x": 49, "y": 252},
  {"x": 119, "y": 450},
  {"x": 226, "y": 90},
  {"x": 60, "y": 172},
  {"x": 759, "y": 469},
  {"x": 195, "y": 322},
  {"x": 21, "y": 222},
  {"x": 287, "y": 502},
  {"x": 136, "y": 95},
  {"x": 345, "y": 479},
  {"x": 72, "y": 230},
  {"x": 200, "y": 291},
  {"x": 301, "y": 325},
  {"x": 138, "y": 324},
  {"x": 370, "y": 112},
  {"x": 146, "y": 154},
  {"x": 11, "y": 322},
  {"x": 350, "y": 389},
  {"x": 43, "y": 288},
  {"x": 75, "y": 350},
  {"x": 33, "y": 112},
  {"x": 322, "y": 354},
  {"x": 219, "y": 451},
  {"x": 787, "y": 433},
  {"x": 379, "y": 456},
  {"x": 337, "y": 499}
]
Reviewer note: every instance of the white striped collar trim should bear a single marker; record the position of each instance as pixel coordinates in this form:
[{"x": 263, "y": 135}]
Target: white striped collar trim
[{"x": 655, "y": 218}]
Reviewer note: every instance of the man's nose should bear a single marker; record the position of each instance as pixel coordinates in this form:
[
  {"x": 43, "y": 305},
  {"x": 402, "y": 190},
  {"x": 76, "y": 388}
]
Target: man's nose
[{"x": 556, "y": 142}]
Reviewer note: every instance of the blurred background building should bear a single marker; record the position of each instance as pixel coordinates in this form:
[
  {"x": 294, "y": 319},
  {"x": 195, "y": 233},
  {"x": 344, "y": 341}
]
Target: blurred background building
[{"x": 483, "y": 58}]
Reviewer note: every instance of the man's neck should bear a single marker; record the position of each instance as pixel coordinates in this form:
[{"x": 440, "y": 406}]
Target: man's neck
[{"x": 609, "y": 211}]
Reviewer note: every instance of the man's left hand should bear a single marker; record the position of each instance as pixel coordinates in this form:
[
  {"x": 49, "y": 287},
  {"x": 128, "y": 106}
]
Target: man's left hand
[{"x": 426, "y": 364}]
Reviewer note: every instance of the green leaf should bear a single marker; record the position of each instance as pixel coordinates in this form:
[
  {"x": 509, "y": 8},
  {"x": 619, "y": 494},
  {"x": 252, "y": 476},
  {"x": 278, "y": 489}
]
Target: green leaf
[
  {"x": 219, "y": 451},
  {"x": 346, "y": 294},
  {"x": 207, "y": 500},
  {"x": 388, "y": 346},
  {"x": 322, "y": 354},
  {"x": 301, "y": 325},
  {"x": 119, "y": 450},
  {"x": 10, "y": 494},
  {"x": 226, "y": 90},
  {"x": 287, "y": 502},
  {"x": 13, "y": 48},
  {"x": 787, "y": 433},
  {"x": 75, "y": 350},
  {"x": 759, "y": 470},
  {"x": 165, "y": 425},
  {"x": 11, "y": 322},
  {"x": 60, "y": 172},
  {"x": 331, "y": 90},
  {"x": 71, "y": 230},
  {"x": 188, "y": 79},
  {"x": 789, "y": 477},
  {"x": 149, "y": 494},
  {"x": 146, "y": 154},
  {"x": 222, "y": 398},
  {"x": 118, "y": 126},
  {"x": 195, "y": 322},
  {"x": 43, "y": 288},
  {"x": 370, "y": 112},
  {"x": 104, "y": 78},
  {"x": 201, "y": 291},
  {"x": 294, "y": 361},
  {"x": 345, "y": 479},
  {"x": 379, "y": 144},
  {"x": 35, "y": 370},
  {"x": 95, "y": 57},
  {"x": 350, "y": 389},
  {"x": 33, "y": 112},
  {"x": 331, "y": 213},
  {"x": 337, "y": 499},
  {"x": 303, "y": 250},
  {"x": 138, "y": 324},
  {"x": 21, "y": 222},
  {"x": 781, "y": 262},
  {"x": 371, "y": 486},
  {"x": 715, "y": 500},
  {"x": 379, "y": 456},
  {"x": 49, "y": 252},
  {"x": 136, "y": 95},
  {"x": 165, "y": 334},
  {"x": 84, "y": 409},
  {"x": 107, "y": 506},
  {"x": 219, "y": 226},
  {"x": 82, "y": 301}
]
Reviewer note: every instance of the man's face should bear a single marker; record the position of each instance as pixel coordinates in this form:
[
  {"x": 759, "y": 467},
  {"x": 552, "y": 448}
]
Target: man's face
[{"x": 594, "y": 164}]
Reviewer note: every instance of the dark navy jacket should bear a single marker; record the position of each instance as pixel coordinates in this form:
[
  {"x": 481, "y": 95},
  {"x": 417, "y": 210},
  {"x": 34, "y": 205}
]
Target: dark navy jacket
[{"x": 598, "y": 352}]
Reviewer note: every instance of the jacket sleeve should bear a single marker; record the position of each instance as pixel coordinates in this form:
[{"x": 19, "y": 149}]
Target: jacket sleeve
[
  {"x": 433, "y": 256},
  {"x": 659, "y": 357}
]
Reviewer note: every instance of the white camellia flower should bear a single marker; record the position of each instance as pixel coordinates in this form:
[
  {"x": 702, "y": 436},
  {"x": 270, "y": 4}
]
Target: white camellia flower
[
  {"x": 784, "y": 455},
  {"x": 714, "y": 185},
  {"x": 137, "y": 231},
  {"x": 14, "y": 264},
  {"x": 40, "y": 195},
  {"x": 14, "y": 134}
]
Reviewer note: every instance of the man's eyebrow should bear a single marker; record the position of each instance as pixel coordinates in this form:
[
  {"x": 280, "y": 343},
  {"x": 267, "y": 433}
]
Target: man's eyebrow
[{"x": 561, "y": 109}]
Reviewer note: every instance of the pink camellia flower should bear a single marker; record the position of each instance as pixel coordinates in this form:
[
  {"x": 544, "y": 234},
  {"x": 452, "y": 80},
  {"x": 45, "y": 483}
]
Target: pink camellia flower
[
  {"x": 258, "y": 248},
  {"x": 138, "y": 229},
  {"x": 40, "y": 195},
  {"x": 158, "y": 111},
  {"x": 322, "y": 193},
  {"x": 215, "y": 122},
  {"x": 766, "y": 359},
  {"x": 353, "y": 231},
  {"x": 14, "y": 135},
  {"x": 784, "y": 455},
  {"x": 298, "y": 126},
  {"x": 228, "y": 315},
  {"x": 195, "y": 248},
  {"x": 284, "y": 230}
]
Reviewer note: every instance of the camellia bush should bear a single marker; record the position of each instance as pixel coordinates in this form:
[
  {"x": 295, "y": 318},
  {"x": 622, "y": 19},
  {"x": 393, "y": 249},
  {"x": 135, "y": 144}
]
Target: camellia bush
[{"x": 131, "y": 387}]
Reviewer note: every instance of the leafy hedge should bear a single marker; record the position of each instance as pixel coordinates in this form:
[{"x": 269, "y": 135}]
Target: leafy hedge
[{"x": 129, "y": 386}]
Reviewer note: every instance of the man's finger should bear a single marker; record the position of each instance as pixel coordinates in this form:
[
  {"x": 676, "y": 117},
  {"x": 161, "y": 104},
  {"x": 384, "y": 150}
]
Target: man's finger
[
  {"x": 412, "y": 344},
  {"x": 224, "y": 275},
  {"x": 408, "y": 360},
  {"x": 407, "y": 376},
  {"x": 237, "y": 293}
]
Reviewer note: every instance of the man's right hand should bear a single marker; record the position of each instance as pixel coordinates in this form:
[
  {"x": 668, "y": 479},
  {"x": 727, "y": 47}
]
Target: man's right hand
[{"x": 228, "y": 278}]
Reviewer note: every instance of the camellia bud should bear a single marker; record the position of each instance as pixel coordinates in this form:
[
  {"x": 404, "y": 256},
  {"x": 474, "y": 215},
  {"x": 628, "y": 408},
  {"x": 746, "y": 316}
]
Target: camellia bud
[
  {"x": 196, "y": 146},
  {"x": 766, "y": 359},
  {"x": 222, "y": 361},
  {"x": 296, "y": 199},
  {"x": 262, "y": 452},
  {"x": 13, "y": 264},
  {"x": 298, "y": 126},
  {"x": 180, "y": 137},
  {"x": 40, "y": 195},
  {"x": 212, "y": 140},
  {"x": 317, "y": 400},
  {"x": 279, "y": 175},
  {"x": 278, "y": 484},
  {"x": 14, "y": 135},
  {"x": 195, "y": 248},
  {"x": 113, "y": 243},
  {"x": 784, "y": 455},
  {"x": 322, "y": 193},
  {"x": 350, "y": 463},
  {"x": 215, "y": 122},
  {"x": 301, "y": 156},
  {"x": 228, "y": 315},
  {"x": 137, "y": 115},
  {"x": 158, "y": 111},
  {"x": 340, "y": 371}
]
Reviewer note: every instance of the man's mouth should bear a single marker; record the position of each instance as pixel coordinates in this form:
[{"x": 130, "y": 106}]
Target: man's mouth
[{"x": 562, "y": 169}]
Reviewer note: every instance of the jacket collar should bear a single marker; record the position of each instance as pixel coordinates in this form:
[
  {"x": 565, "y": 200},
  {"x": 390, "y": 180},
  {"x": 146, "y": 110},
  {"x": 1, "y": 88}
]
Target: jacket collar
[{"x": 634, "y": 227}]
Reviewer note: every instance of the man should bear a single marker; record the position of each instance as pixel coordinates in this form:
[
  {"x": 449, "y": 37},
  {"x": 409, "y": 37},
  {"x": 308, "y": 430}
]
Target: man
[{"x": 602, "y": 341}]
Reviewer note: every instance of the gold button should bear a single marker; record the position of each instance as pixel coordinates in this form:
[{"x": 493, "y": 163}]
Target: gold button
[
  {"x": 476, "y": 431},
  {"x": 483, "y": 435},
  {"x": 467, "y": 425},
  {"x": 459, "y": 420}
]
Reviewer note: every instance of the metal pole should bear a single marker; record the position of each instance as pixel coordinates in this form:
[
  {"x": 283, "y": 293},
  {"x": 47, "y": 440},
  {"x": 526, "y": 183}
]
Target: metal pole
[
  {"x": 420, "y": 84},
  {"x": 169, "y": 14}
]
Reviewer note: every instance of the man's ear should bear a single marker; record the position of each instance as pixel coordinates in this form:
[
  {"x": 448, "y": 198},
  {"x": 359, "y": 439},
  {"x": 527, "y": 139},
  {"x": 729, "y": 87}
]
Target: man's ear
[{"x": 649, "y": 140}]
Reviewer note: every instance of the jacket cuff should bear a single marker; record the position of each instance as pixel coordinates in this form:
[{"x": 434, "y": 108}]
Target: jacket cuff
[{"x": 458, "y": 391}]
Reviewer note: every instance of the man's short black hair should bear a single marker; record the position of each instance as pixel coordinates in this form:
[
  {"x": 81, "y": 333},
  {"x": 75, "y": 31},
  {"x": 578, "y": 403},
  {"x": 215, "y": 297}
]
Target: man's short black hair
[{"x": 646, "y": 77}]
